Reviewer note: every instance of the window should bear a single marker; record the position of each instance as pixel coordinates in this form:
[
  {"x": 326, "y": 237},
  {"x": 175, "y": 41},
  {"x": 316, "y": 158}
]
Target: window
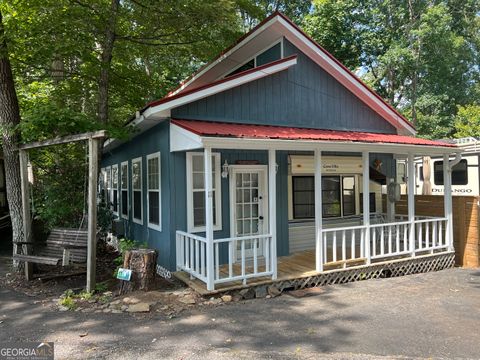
[
  {"x": 459, "y": 173},
  {"x": 303, "y": 190},
  {"x": 271, "y": 54},
  {"x": 124, "y": 188},
  {"x": 114, "y": 195},
  {"x": 137, "y": 190},
  {"x": 373, "y": 202},
  {"x": 196, "y": 192},
  {"x": 331, "y": 196},
  {"x": 348, "y": 195},
  {"x": 108, "y": 186},
  {"x": 401, "y": 173},
  {"x": 153, "y": 191},
  {"x": 102, "y": 184},
  {"x": 338, "y": 196}
]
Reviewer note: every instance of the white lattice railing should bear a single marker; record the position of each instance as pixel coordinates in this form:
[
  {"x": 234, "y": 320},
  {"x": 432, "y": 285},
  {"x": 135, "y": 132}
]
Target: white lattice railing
[
  {"x": 191, "y": 254},
  {"x": 248, "y": 257}
]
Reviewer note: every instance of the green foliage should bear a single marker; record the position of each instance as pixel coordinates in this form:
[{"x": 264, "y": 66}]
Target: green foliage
[
  {"x": 467, "y": 121},
  {"x": 101, "y": 287},
  {"x": 129, "y": 244},
  {"x": 104, "y": 218},
  {"x": 67, "y": 300},
  {"x": 85, "y": 295},
  {"x": 422, "y": 56}
]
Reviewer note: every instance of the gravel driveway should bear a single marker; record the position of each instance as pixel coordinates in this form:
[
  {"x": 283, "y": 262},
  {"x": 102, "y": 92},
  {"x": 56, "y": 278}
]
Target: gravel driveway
[{"x": 435, "y": 315}]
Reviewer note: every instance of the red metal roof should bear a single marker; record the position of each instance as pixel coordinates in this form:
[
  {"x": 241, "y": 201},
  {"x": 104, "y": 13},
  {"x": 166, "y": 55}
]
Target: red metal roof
[{"x": 208, "y": 128}]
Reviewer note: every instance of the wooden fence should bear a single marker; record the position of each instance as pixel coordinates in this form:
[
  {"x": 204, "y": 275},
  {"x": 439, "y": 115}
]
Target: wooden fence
[{"x": 465, "y": 223}]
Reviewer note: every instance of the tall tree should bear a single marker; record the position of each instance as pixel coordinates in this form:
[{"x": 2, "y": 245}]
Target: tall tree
[
  {"x": 9, "y": 123},
  {"x": 422, "y": 55},
  {"x": 85, "y": 64}
]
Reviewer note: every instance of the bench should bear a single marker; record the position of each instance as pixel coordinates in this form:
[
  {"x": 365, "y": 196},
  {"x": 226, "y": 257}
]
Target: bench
[{"x": 62, "y": 246}]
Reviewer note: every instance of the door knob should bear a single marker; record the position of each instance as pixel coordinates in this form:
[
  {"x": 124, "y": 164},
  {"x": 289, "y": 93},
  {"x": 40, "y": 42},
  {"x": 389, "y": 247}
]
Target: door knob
[{"x": 260, "y": 218}]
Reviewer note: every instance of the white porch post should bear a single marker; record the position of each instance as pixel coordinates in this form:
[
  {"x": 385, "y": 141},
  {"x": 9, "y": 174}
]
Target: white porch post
[
  {"x": 366, "y": 203},
  {"x": 209, "y": 217},
  {"x": 318, "y": 211},
  {"x": 411, "y": 201},
  {"x": 447, "y": 182},
  {"x": 272, "y": 209}
]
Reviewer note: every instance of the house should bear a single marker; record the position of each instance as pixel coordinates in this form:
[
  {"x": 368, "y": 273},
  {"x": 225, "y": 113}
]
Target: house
[{"x": 267, "y": 164}]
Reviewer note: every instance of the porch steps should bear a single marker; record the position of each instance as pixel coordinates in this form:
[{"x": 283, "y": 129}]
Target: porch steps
[{"x": 294, "y": 273}]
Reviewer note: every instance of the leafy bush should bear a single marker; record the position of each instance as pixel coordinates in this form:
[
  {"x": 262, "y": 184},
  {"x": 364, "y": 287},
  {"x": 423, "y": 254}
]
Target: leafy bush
[{"x": 67, "y": 300}]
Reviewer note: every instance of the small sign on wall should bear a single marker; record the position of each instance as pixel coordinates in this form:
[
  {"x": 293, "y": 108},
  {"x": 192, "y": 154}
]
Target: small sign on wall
[{"x": 124, "y": 274}]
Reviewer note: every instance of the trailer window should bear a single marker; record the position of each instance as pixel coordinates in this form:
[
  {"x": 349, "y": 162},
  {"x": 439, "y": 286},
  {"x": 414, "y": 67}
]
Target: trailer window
[{"x": 459, "y": 173}]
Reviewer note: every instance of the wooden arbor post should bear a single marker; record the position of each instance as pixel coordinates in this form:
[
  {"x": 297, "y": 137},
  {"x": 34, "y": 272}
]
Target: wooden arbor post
[
  {"x": 92, "y": 212},
  {"x": 27, "y": 221},
  {"x": 93, "y": 139}
]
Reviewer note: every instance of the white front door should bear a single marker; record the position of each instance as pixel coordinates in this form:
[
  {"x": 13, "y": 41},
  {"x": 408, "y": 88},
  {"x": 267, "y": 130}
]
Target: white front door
[{"x": 249, "y": 205}]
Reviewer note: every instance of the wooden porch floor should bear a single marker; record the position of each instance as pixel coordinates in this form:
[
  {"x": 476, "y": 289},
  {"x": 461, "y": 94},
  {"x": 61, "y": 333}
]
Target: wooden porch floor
[{"x": 295, "y": 266}]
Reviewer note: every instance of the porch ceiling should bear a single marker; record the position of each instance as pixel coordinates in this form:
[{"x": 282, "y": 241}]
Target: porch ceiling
[{"x": 195, "y": 134}]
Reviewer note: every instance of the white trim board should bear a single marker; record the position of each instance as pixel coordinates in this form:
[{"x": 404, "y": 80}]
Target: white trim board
[
  {"x": 155, "y": 155},
  {"x": 140, "y": 219},
  {"x": 189, "y": 189}
]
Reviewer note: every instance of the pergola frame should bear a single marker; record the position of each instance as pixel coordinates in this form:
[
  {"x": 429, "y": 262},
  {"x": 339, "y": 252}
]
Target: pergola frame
[{"x": 93, "y": 139}]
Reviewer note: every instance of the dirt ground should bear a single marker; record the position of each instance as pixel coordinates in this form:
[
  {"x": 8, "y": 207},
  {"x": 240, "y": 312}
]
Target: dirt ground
[{"x": 434, "y": 315}]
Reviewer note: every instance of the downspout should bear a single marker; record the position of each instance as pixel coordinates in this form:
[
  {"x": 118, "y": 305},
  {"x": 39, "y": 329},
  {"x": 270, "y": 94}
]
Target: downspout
[
  {"x": 452, "y": 163},
  {"x": 448, "y": 201}
]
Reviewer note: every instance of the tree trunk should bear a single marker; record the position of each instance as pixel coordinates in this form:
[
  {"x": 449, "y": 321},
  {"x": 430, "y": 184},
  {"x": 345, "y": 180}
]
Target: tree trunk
[
  {"x": 9, "y": 121},
  {"x": 143, "y": 263},
  {"x": 106, "y": 62}
]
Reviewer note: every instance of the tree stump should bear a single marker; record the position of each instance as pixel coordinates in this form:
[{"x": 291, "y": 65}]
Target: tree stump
[{"x": 143, "y": 264}]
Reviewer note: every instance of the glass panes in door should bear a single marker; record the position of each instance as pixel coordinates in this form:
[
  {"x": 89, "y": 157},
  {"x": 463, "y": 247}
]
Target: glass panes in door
[{"x": 248, "y": 202}]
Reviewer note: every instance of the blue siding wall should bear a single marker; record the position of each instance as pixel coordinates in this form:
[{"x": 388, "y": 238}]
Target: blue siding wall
[
  {"x": 303, "y": 96},
  {"x": 154, "y": 140},
  {"x": 179, "y": 215}
]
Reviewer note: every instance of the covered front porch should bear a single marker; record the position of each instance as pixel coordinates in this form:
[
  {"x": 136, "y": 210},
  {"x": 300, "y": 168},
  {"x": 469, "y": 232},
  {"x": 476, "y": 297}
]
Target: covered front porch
[{"x": 379, "y": 240}]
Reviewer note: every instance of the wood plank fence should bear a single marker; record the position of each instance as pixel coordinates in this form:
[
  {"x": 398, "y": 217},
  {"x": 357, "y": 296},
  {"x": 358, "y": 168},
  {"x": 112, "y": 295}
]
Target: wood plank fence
[{"x": 465, "y": 223}]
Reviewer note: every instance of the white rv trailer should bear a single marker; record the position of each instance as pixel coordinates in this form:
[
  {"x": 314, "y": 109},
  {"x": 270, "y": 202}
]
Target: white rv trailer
[{"x": 465, "y": 175}]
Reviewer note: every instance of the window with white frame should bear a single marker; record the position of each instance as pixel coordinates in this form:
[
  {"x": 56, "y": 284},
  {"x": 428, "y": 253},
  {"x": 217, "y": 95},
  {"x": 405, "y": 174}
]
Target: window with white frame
[
  {"x": 154, "y": 191},
  {"x": 196, "y": 192},
  {"x": 108, "y": 187},
  {"x": 101, "y": 183},
  {"x": 137, "y": 203},
  {"x": 114, "y": 194},
  {"x": 124, "y": 188}
]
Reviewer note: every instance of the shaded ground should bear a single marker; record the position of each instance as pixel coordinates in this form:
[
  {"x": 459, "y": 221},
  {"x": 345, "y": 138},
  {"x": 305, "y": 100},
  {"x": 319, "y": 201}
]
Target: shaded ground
[{"x": 428, "y": 315}]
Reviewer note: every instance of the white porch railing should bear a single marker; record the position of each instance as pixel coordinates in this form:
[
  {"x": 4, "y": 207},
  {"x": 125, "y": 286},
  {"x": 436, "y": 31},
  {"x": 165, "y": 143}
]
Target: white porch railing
[
  {"x": 343, "y": 244},
  {"x": 191, "y": 255},
  {"x": 245, "y": 257},
  {"x": 430, "y": 234},
  {"x": 386, "y": 240},
  {"x": 243, "y": 266}
]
